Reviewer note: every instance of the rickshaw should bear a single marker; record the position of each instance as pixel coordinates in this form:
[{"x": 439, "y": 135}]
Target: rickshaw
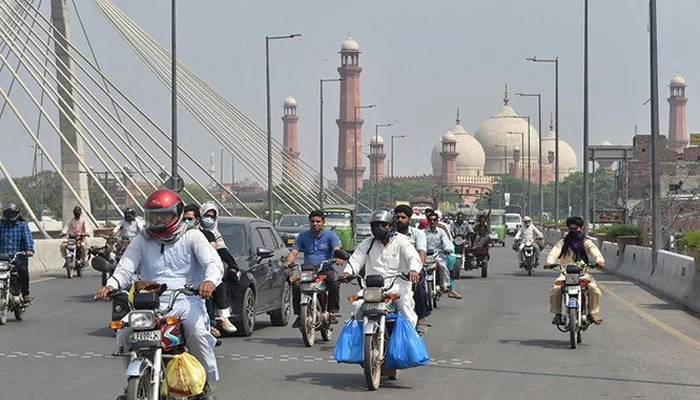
[
  {"x": 341, "y": 220},
  {"x": 498, "y": 227}
]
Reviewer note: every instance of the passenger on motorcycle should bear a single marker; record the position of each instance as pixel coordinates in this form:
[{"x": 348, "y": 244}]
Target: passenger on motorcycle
[
  {"x": 528, "y": 233},
  {"x": 388, "y": 254},
  {"x": 15, "y": 236},
  {"x": 169, "y": 253},
  {"x": 438, "y": 241},
  {"x": 318, "y": 245},
  {"x": 461, "y": 226},
  {"x": 417, "y": 238},
  {"x": 129, "y": 227},
  {"x": 572, "y": 248}
]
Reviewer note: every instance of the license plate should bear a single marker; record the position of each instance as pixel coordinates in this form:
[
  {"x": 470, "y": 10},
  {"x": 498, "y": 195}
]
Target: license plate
[
  {"x": 374, "y": 306},
  {"x": 308, "y": 287},
  {"x": 146, "y": 336},
  {"x": 290, "y": 241},
  {"x": 572, "y": 290},
  {"x": 573, "y": 303}
]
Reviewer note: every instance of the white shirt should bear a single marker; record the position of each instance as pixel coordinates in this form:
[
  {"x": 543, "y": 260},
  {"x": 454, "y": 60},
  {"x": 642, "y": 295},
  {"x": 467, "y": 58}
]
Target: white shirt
[
  {"x": 129, "y": 230},
  {"x": 190, "y": 260},
  {"x": 529, "y": 233},
  {"x": 397, "y": 257}
]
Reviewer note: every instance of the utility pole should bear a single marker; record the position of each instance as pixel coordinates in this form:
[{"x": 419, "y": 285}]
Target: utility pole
[{"x": 655, "y": 175}]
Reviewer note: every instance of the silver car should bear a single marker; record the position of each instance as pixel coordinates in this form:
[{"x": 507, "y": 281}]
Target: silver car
[{"x": 363, "y": 229}]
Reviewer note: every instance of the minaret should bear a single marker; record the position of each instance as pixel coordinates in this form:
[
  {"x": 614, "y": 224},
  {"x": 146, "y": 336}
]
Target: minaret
[
  {"x": 376, "y": 159},
  {"x": 449, "y": 159},
  {"x": 348, "y": 126},
  {"x": 289, "y": 141},
  {"x": 677, "y": 138}
]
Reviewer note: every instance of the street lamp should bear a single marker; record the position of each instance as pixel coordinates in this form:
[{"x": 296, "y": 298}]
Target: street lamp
[
  {"x": 554, "y": 60},
  {"x": 175, "y": 182},
  {"x": 376, "y": 169},
  {"x": 270, "y": 206},
  {"x": 354, "y": 156},
  {"x": 320, "y": 186},
  {"x": 539, "y": 156},
  {"x": 502, "y": 197},
  {"x": 392, "y": 164},
  {"x": 517, "y": 153}
]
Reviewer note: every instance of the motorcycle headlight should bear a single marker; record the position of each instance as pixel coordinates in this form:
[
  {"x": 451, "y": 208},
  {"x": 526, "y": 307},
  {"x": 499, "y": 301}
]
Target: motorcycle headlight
[
  {"x": 306, "y": 276},
  {"x": 373, "y": 295},
  {"x": 459, "y": 240},
  {"x": 142, "y": 320}
]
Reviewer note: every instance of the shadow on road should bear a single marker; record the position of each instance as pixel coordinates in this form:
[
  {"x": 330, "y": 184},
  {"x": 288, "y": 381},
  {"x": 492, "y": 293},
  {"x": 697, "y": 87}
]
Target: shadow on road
[
  {"x": 544, "y": 343},
  {"x": 352, "y": 382},
  {"x": 294, "y": 342},
  {"x": 102, "y": 332},
  {"x": 82, "y": 298}
]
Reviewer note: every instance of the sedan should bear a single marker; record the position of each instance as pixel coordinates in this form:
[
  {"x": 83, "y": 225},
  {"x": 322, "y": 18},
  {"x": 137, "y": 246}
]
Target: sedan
[{"x": 289, "y": 227}]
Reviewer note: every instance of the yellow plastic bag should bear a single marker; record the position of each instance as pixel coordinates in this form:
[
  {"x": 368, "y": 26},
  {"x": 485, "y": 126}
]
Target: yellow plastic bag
[{"x": 185, "y": 376}]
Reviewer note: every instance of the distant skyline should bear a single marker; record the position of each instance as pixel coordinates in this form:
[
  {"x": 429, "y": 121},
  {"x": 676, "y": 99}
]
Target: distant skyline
[{"x": 420, "y": 62}]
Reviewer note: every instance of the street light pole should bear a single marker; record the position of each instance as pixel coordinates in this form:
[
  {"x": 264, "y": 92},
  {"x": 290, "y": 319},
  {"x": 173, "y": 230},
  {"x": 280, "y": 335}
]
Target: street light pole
[
  {"x": 654, "y": 110},
  {"x": 539, "y": 156},
  {"x": 270, "y": 205},
  {"x": 376, "y": 169},
  {"x": 586, "y": 188},
  {"x": 555, "y": 60},
  {"x": 522, "y": 170},
  {"x": 320, "y": 186},
  {"x": 354, "y": 156},
  {"x": 391, "y": 197},
  {"x": 175, "y": 183}
]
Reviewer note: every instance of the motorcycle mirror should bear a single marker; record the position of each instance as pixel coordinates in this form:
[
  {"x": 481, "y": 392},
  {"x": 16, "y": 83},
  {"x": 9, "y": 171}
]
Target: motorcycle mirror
[
  {"x": 102, "y": 265},
  {"x": 341, "y": 254}
]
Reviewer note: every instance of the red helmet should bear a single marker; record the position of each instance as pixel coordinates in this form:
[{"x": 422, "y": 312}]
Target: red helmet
[{"x": 163, "y": 212}]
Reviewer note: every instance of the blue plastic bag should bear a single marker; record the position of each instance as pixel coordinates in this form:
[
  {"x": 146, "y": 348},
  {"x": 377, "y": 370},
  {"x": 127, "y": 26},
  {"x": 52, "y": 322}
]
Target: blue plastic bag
[
  {"x": 405, "y": 349},
  {"x": 348, "y": 348}
]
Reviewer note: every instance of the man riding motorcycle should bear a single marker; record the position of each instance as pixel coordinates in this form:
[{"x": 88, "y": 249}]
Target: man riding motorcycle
[
  {"x": 461, "y": 226},
  {"x": 129, "y": 227},
  {"x": 528, "y": 233},
  {"x": 170, "y": 253},
  {"x": 572, "y": 248},
  {"x": 15, "y": 236},
  {"x": 76, "y": 225},
  {"x": 438, "y": 241},
  {"x": 388, "y": 254}
]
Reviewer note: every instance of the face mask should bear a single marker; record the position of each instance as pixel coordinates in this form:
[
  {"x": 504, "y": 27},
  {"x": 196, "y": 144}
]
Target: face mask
[
  {"x": 208, "y": 222},
  {"x": 189, "y": 222},
  {"x": 575, "y": 236}
]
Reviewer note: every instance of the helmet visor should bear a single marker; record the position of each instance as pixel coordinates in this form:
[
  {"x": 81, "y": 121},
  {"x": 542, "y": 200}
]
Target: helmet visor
[{"x": 159, "y": 219}]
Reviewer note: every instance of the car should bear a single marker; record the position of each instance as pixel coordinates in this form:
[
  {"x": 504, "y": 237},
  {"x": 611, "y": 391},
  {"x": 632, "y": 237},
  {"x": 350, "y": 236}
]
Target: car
[
  {"x": 363, "y": 229},
  {"x": 260, "y": 253},
  {"x": 513, "y": 222},
  {"x": 289, "y": 227}
]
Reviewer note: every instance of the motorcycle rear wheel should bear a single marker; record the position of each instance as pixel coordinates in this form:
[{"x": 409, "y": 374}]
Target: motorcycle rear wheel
[
  {"x": 572, "y": 327},
  {"x": 307, "y": 324},
  {"x": 138, "y": 387},
  {"x": 372, "y": 366},
  {"x": 485, "y": 269},
  {"x": 431, "y": 289},
  {"x": 79, "y": 269}
]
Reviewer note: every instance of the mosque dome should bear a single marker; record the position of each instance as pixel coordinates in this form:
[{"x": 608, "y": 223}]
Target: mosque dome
[
  {"x": 498, "y": 144},
  {"x": 677, "y": 80},
  {"x": 290, "y": 102},
  {"x": 349, "y": 44},
  {"x": 471, "y": 158},
  {"x": 567, "y": 155}
]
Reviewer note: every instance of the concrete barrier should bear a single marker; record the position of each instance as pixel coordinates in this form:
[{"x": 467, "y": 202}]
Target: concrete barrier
[
  {"x": 551, "y": 237},
  {"x": 48, "y": 255}
]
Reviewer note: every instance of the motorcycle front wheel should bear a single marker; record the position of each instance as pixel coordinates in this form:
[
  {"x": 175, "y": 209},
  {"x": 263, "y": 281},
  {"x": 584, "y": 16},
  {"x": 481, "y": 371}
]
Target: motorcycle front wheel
[
  {"x": 573, "y": 314},
  {"x": 70, "y": 264},
  {"x": 308, "y": 322},
  {"x": 431, "y": 290},
  {"x": 372, "y": 365},
  {"x": 3, "y": 308},
  {"x": 139, "y": 387}
]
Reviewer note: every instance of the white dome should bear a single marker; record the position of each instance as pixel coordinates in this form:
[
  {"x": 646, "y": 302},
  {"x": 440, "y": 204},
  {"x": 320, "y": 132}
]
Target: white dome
[
  {"x": 349, "y": 44},
  {"x": 471, "y": 158},
  {"x": 377, "y": 140},
  {"x": 567, "y": 155},
  {"x": 606, "y": 143},
  {"x": 290, "y": 102},
  {"x": 498, "y": 144},
  {"x": 677, "y": 80}
]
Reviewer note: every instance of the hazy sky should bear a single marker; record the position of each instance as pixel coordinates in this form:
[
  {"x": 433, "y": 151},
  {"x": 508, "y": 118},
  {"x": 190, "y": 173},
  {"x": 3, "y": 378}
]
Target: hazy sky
[{"x": 421, "y": 61}]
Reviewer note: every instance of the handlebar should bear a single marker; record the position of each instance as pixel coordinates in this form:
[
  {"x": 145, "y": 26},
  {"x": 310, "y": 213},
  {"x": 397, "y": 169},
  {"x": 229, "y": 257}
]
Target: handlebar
[{"x": 11, "y": 257}]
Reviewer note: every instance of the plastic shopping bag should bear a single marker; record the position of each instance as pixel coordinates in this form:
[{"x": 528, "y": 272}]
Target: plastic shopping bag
[
  {"x": 185, "y": 376},
  {"x": 348, "y": 348},
  {"x": 406, "y": 349}
]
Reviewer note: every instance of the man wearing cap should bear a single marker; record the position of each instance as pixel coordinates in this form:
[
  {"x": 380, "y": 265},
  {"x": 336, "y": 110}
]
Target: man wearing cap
[{"x": 528, "y": 232}]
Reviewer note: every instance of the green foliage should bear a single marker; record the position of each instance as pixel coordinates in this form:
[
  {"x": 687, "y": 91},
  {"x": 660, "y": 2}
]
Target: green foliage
[
  {"x": 626, "y": 230},
  {"x": 401, "y": 190},
  {"x": 691, "y": 239},
  {"x": 602, "y": 229},
  {"x": 42, "y": 192}
]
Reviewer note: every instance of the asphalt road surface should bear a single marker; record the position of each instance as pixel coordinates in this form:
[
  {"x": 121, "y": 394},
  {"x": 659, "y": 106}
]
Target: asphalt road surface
[{"x": 496, "y": 343}]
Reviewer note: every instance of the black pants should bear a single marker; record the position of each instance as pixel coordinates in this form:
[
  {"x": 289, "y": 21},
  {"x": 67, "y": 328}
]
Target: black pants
[
  {"x": 22, "y": 265},
  {"x": 333, "y": 293}
]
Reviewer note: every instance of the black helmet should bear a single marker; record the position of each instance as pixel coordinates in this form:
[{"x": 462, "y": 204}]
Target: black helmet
[
  {"x": 10, "y": 211},
  {"x": 378, "y": 221},
  {"x": 129, "y": 214},
  {"x": 77, "y": 211}
]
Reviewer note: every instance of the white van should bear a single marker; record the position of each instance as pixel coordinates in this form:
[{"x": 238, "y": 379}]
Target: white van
[{"x": 513, "y": 223}]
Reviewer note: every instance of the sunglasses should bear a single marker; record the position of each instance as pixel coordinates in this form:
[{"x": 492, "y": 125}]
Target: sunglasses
[{"x": 188, "y": 219}]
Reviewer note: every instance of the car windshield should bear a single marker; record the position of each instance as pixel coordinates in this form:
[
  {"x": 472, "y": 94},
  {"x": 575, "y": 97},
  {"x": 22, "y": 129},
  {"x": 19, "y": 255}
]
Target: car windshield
[
  {"x": 234, "y": 236},
  {"x": 337, "y": 221},
  {"x": 512, "y": 218},
  {"x": 363, "y": 219},
  {"x": 294, "y": 220},
  {"x": 497, "y": 220}
]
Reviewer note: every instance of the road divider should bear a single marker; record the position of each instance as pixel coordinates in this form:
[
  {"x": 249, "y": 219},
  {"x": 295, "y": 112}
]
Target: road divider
[{"x": 48, "y": 255}]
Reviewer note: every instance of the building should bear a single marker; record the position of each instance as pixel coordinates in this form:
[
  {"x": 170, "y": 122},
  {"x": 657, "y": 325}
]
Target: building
[{"x": 290, "y": 149}]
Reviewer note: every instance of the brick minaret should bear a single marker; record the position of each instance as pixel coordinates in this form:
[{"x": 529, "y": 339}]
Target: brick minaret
[
  {"x": 376, "y": 159},
  {"x": 449, "y": 159},
  {"x": 677, "y": 139},
  {"x": 348, "y": 126},
  {"x": 289, "y": 141}
]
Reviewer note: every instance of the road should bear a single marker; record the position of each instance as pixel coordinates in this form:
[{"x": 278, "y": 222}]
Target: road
[{"x": 497, "y": 343}]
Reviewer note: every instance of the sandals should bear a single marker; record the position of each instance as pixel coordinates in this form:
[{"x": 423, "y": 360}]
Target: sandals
[{"x": 596, "y": 319}]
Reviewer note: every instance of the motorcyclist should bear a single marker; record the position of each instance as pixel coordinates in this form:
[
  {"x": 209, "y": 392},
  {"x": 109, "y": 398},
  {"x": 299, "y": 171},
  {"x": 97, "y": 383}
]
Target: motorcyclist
[
  {"x": 482, "y": 230},
  {"x": 129, "y": 227},
  {"x": 318, "y": 245},
  {"x": 77, "y": 225},
  {"x": 417, "y": 238},
  {"x": 528, "y": 233},
  {"x": 461, "y": 226},
  {"x": 575, "y": 247},
  {"x": 438, "y": 241},
  {"x": 167, "y": 252},
  {"x": 388, "y": 254},
  {"x": 15, "y": 236}
]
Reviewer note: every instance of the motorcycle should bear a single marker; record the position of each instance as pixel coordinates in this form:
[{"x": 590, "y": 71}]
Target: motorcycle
[
  {"x": 460, "y": 242},
  {"x": 529, "y": 263},
  {"x": 106, "y": 258},
  {"x": 432, "y": 268},
  {"x": 74, "y": 259},
  {"x": 10, "y": 294},
  {"x": 154, "y": 340},
  {"x": 575, "y": 300},
  {"x": 476, "y": 256},
  {"x": 313, "y": 312}
]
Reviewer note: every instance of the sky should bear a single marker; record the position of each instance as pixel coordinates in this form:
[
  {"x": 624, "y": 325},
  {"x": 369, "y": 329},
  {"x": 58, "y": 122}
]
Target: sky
[{"x": 421, "y": 61}]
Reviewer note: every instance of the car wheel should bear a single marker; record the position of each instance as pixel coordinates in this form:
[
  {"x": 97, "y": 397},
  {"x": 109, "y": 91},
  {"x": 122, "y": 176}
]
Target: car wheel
[
  {"x": 246, "y": 325},
  {"x": 280, "y": 317}
]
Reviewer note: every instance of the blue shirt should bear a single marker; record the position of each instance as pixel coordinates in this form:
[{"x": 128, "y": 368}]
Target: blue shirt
[
  {"x": 316, "y": 248},
  {"x": 15, "y": 237}
]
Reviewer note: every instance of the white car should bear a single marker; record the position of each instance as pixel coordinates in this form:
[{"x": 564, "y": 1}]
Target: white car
[{"x": 513, "y": 223}]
